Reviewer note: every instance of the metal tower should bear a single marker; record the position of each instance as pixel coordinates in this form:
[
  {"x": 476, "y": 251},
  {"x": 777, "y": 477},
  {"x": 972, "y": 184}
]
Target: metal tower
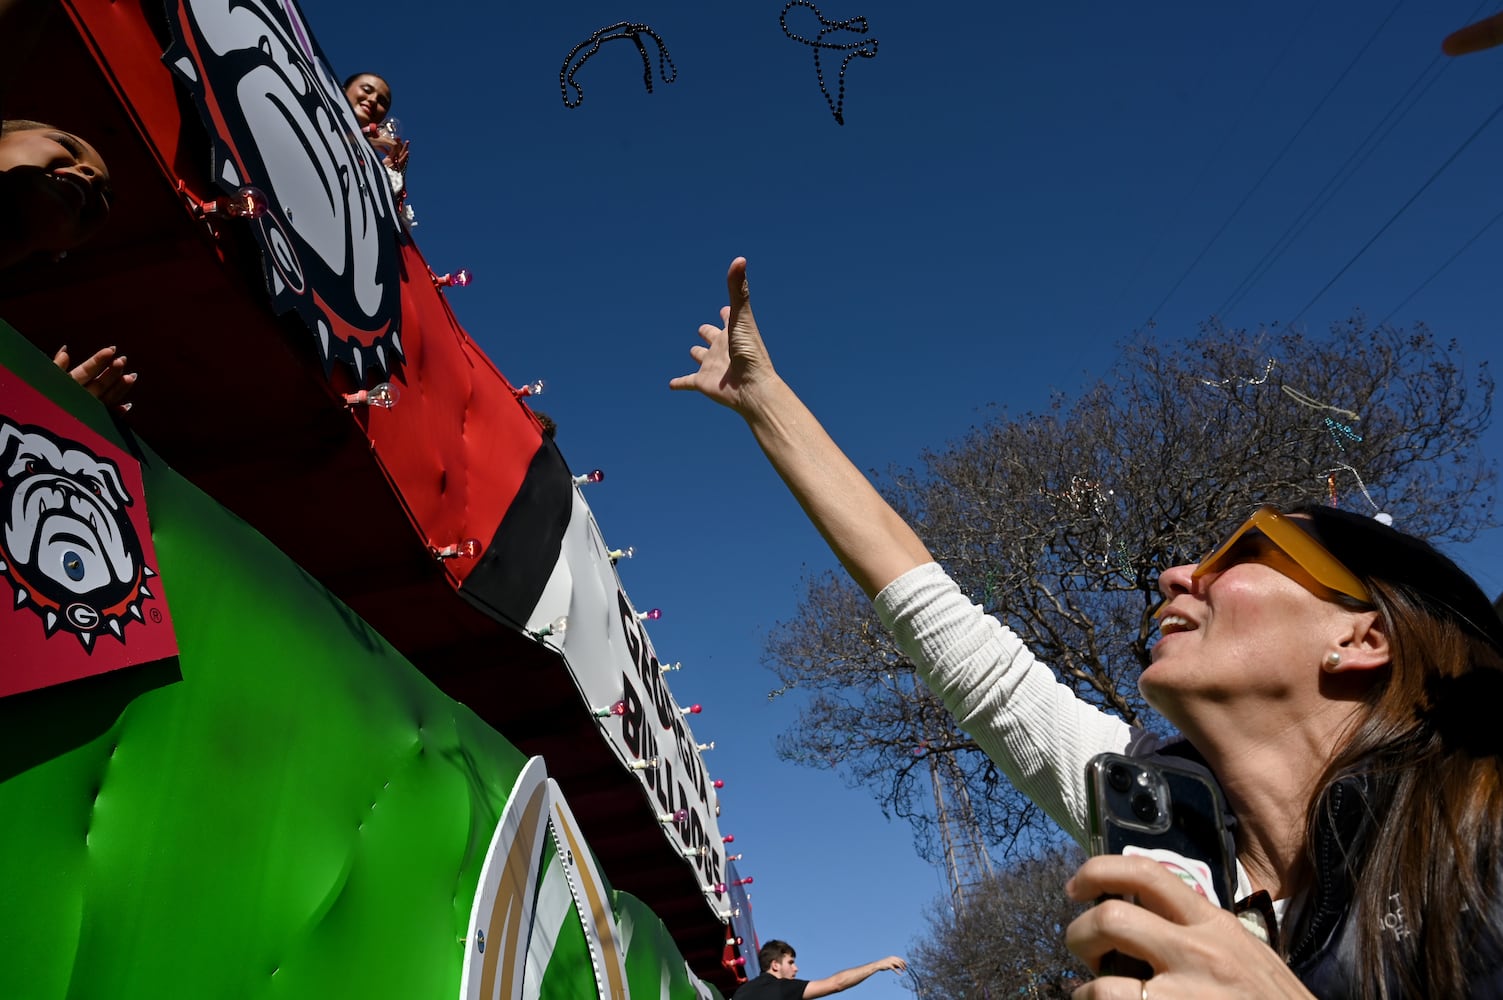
[{"x": 966, "y": 860}]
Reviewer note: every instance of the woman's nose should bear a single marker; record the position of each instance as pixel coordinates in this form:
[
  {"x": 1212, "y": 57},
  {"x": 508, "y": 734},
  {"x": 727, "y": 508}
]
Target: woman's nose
[{"x": 1176, "y": 580}]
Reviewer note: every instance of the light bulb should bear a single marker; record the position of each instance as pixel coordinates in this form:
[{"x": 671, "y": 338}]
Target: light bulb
[
  {"x": 717, "y": 783},
  {"x": 625, "y": 553},
  {"x": 643, "y": 764},
  {"x": 530, "y": 389},
  {"x": 743, "y": 881},
  {"x": 458, "y": 279},
  {"x": 384, "y": 396},
  {"x": 719, "y": 887},
  {"x": 734, "y": 857},
  {"x": 247, "y": 202},
  {"x": 650, "y": 616},
  {"x": 593, "y": 476},
  {"x": 663, "y": 668},
  {"x": 391, "y": 127},
  {"x": 557, "y": 627},
  {"x": 619, "y": 708},
  {"x": 705, "y": 746},
  {"x": 729, "y": 838},
  {"x": 691, "y": 710},
  {"x": 677, "y": 816}
]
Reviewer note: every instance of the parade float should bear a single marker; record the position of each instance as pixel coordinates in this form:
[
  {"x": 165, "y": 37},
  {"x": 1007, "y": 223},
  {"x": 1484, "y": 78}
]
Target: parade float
[{"x": 318, "y": 677}]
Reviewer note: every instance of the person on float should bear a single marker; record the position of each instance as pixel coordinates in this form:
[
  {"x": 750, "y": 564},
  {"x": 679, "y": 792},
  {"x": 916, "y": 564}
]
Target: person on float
[
  {"x": 54, "y": 190},
  {"x": 370, "y": 98}
]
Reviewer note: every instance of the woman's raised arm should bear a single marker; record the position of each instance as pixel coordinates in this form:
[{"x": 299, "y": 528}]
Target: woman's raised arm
[{"x": 873, "y": 543}]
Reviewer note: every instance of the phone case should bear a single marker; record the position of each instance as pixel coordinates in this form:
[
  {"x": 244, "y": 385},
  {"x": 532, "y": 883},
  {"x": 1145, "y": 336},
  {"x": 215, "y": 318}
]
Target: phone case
[{"x": 1171, "y": 812}]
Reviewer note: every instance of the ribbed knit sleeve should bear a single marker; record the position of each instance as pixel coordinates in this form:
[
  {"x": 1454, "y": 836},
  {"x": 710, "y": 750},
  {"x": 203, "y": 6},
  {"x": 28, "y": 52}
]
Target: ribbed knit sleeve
[{"x": 1039, "y": 733}]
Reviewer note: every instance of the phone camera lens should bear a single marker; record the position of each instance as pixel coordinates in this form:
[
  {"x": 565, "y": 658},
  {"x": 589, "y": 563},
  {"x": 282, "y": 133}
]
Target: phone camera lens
[
  {"x": 1119, "y": 776},
  {"x": 1145, "y": 807}
]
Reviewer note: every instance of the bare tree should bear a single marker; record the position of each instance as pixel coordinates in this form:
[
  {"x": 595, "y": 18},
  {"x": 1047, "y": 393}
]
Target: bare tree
[
  {"x": 1008, "y": 941},
  {"x": 1059, "y": 523}
]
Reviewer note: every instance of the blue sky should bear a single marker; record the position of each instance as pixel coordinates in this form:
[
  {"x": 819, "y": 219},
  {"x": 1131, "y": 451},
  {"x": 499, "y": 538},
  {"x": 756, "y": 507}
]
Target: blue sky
[{"x": 1015, "y": 190}]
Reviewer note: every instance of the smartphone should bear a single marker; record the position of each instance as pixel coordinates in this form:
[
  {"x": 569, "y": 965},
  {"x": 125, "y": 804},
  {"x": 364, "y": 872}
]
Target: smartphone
[{"x": 1166, "y": 810}]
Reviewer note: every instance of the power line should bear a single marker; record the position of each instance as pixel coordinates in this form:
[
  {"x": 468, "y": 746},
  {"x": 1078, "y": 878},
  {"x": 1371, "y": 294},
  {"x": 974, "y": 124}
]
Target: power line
[
  {"x": 1226, "y": 137},
  {"x": 1327, "y": 192},
  {"x": 1278, "y": 158},
  {"x": 1402, "y": 209},
  {"x": 1449, "y": 261}
]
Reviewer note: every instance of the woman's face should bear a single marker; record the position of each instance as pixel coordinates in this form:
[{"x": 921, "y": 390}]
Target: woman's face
[
  {"x": 370, "y": 97},
  {"x": 1252, "y": 633},
  {"x": 59, "y": 184}
]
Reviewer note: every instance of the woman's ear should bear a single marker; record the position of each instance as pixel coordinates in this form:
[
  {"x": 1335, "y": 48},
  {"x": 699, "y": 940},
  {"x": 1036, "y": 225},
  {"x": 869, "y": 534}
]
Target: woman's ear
[{"x": 1365, "y": 645}]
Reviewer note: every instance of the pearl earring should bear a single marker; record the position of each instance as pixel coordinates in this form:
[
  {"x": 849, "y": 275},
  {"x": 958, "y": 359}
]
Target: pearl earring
[{"x": 1333, "y": 661}]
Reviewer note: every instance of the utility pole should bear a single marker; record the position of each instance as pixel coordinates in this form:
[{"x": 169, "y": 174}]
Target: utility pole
[{"x": 966, "y": 860}]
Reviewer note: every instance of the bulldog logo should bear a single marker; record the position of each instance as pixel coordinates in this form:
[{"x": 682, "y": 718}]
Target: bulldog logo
[
  {"x": 279, "y": 120},
  {"x": 68, "y": 547}
]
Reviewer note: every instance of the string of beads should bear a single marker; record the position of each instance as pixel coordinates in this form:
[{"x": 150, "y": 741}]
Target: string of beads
[
  {"x": 866, "y": 48},
  {"x": 611, "y": 32}
]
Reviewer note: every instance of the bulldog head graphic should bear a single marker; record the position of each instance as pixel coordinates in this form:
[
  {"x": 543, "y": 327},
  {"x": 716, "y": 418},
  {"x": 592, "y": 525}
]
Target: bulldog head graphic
[{"x": 67, "y": 546}]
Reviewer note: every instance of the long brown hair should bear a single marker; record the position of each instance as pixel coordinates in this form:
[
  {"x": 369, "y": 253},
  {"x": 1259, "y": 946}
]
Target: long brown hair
[{"x": 1426, "y": 747}]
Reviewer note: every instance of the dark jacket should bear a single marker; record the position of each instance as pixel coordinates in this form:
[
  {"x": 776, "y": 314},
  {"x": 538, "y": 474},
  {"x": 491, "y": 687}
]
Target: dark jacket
[{"x": 1323, "y": 945}]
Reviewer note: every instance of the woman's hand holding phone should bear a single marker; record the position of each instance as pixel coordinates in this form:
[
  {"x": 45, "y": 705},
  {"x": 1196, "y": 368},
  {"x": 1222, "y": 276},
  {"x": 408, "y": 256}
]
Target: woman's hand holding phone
[{"x": 1197, "y": 950}]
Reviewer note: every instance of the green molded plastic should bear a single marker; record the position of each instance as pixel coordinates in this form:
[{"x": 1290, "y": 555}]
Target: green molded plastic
[{"x": 287, "y": 809}]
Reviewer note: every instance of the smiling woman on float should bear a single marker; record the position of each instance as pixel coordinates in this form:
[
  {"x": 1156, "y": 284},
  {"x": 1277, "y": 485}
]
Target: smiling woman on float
[
  {"x": 370, "y": 98},
  {"x": 1341, "y": 680}
]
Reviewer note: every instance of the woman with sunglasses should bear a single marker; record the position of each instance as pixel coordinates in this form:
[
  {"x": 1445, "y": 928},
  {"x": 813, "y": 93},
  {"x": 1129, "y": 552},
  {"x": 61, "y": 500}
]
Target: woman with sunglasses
[{"x": 1339, "y": 678}]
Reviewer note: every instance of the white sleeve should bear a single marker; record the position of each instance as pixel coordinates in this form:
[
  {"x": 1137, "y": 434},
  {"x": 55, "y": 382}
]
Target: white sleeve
[
  {"x": 396, "y": 178},
  {"x": 1036, "y": 729}
]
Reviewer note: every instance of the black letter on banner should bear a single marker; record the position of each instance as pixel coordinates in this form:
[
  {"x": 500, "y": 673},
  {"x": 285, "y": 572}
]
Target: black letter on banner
[
  {"x": 629, "y": 626},
  {"x": 631, "y": 721}
]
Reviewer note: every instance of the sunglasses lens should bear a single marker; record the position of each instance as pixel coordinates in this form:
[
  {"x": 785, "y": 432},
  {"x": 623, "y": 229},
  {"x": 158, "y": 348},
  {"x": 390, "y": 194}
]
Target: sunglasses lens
[{"x": 1267, "y": 529}]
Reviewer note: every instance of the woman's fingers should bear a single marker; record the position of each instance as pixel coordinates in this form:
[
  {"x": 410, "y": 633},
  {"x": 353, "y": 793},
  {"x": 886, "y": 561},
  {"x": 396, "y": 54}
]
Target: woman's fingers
[
  {"x": 114, "y": 394},
  {"x": 1113, "y": 988},
  {"x": 1155, "y": 887},
  {"x": 1117, "y": 925},
  {"x": 699, "y": 353},
  {"x": 91, "y": 367},
  {"x": 736, "y": 285},
  {"x": 103, "y": 374}
]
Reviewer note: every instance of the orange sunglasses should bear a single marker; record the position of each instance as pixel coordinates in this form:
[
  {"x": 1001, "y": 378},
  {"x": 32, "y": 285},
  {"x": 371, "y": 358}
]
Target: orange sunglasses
[{"x": 1292, "y": 540}]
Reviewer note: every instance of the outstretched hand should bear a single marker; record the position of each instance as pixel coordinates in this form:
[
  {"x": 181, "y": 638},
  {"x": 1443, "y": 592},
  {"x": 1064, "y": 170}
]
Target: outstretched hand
[
  {"x": 103, "y": 374},
  {"x": 735, "y": 362},
  {"x": 1197, "y": 949}
]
